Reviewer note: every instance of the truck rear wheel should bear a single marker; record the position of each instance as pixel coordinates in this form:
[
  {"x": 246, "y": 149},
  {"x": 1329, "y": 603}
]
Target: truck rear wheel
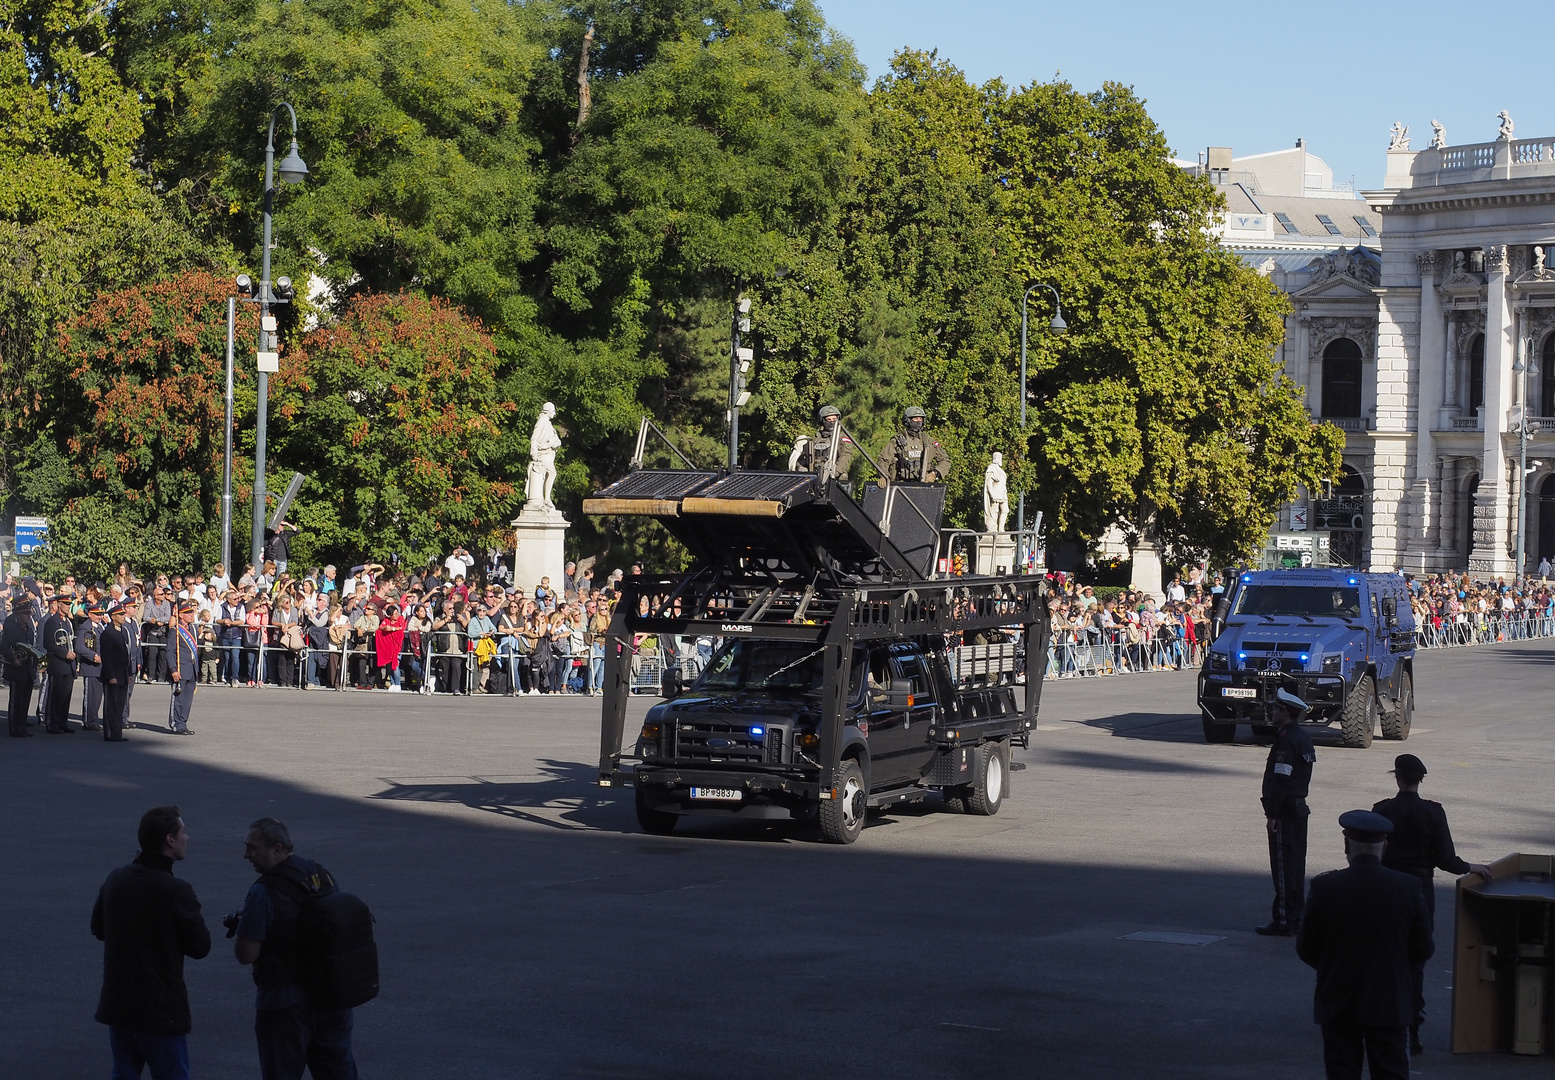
[
  {"x": 990, "y": 780},
  {"x": 842, "y": 818},
  {"x": 657, "y": 822},
  {"x": 1216, "y": 732},
  {"x": 1359, "y": 718},
  {"x": 1395, "y": 725}
]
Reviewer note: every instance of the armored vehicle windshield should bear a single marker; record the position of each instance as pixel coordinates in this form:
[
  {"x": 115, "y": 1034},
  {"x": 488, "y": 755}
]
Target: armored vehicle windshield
[{"x": 1300, "y": 601}]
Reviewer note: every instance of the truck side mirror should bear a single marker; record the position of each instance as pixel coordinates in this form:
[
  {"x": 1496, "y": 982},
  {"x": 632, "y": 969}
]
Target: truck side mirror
[
  {"x": 900, "y": 696},
  {"x": 671, "y": 684}
]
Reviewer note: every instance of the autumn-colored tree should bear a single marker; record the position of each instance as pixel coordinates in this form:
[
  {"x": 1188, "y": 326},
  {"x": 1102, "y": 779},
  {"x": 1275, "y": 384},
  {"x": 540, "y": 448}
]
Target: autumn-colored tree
[
  {"x": 395, "y": 415},
  {"x": 133, "y": 401}
]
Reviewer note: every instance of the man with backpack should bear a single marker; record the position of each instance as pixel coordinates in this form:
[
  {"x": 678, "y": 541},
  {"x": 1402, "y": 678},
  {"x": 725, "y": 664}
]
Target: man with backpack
[{"x": 314, "y": 959}]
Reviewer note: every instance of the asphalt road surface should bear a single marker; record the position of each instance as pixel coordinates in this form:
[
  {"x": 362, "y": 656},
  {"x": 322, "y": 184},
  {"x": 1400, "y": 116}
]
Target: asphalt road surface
[{"x": 527, "y": 928}]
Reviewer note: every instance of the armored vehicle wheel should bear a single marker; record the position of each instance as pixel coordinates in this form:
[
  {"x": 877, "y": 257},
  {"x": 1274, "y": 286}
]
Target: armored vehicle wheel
[
  {"x": 1396, "y": 724},
  {"x": 842, "y": 818},
  {"x": 657, "y": 822},
  {"x": 1216, "y": 732},
  {"x": 1359, "y": 718},
  {"x": 991, "y": 778}
]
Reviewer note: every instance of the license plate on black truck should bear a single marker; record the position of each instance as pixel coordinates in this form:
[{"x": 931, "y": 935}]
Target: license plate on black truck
[{"x": 718, "y": 794}]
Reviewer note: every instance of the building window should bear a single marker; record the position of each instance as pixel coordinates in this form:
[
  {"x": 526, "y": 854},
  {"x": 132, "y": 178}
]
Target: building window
[
  {"x": 1342, "y": 379},
  {"x": 1366, "y": 226},
  {"x": 1286, "y": 223},
  {"x": 1547, "y": 380},
  {"x": 1328, "y": 223},
  {"x": 1477, "y": 373}
]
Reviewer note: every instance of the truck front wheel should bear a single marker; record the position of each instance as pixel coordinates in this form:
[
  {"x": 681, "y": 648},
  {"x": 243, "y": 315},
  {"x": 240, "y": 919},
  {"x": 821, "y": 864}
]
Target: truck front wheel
[
  {"x": 1395, "y": 725},
  {"x": 1360, "y": 714},
  {"x": 657, "y": 822},
  {"x": 987, "y": 793},
  {"x": 842, "y": 817},
  {"x": 1215, "y": 732}
]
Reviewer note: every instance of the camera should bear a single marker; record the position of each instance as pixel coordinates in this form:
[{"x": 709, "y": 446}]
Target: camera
[{"x": 231, "y": 923}]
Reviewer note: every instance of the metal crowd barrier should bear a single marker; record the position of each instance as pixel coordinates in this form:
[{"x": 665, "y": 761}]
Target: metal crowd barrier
[{"x": 1081, "y": 654}]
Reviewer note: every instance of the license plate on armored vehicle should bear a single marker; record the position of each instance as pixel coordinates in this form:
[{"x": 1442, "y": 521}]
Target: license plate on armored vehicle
[
  {"x": 1239, "y": 691},
  {"x": 721, "y": 794}
]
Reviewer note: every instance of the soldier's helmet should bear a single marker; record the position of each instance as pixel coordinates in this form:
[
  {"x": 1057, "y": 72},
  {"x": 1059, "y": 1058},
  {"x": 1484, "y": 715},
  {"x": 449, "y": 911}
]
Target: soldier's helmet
[
  {"x": 912, "y": 412},
  {"x": 827, "y": 412}
]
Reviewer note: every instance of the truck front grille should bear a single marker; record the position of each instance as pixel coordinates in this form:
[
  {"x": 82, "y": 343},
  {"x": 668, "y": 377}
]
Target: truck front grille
[{"x": 698, "y": 740}]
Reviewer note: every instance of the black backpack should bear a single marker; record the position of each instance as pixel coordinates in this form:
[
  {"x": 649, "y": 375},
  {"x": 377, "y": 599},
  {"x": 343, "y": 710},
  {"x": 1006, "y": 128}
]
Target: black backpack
[{"x": 337, "y": 956}]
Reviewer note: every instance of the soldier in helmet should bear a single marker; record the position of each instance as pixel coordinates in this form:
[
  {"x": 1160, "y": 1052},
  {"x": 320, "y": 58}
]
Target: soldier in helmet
[
  {"x": 814, "y": 458},
  {"x": 913, "y": 456}
]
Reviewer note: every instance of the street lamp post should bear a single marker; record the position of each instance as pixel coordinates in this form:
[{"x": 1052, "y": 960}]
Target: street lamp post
[
  {"x": 1057, "y": 326},
  {"x": 293, "y": 171},
  {"x": 226, "y": 466},
  {"x": 1525, "y": 367}
]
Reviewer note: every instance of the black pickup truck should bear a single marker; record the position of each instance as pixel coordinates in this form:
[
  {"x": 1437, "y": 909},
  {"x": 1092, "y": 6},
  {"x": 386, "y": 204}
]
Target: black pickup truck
[{"x": 847, "y": 676}]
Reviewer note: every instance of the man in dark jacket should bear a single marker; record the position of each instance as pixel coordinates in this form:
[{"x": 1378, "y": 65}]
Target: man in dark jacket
[
  {"x": 116, "y": 674},
  {"x": 58, "y": 640},
  {"x": 148, "y": 921},
  {"x": 20, "y": 660},
  {"x": 1286, "y": 777},
  {"x": 1364, "y": 928},
  {"x": 1420, "y": 845}
]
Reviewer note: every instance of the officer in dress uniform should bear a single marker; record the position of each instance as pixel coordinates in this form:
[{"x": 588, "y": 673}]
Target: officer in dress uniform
[
  {"x": 131, "y": 630},
  {"x": 183, "y": 668},
  {"x": 58, "y": 640},
  {"x": 1365, "y": 929},
  {"x": 17, "y": 652},
  {"x": 1286, "y": 776},
  {"x": 913, "y": 456},
  {"x": 116, "y": 675},
  {"x": 1420, "y": 845},
  {"x": 89, "y": 667},
  {"x": 818, "y": 453}
]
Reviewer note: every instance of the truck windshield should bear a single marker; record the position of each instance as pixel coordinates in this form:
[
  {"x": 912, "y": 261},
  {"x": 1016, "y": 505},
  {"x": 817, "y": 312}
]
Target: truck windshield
[
  {"x": 764, "y": 665},
  {"x": 1312, "y": 601}
]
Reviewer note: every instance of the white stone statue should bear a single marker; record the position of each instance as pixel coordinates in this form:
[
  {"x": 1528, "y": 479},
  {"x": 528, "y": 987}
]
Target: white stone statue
[
  {"x": 543, "y": 444},
  {"x": 1538, "y": 261},
  {"x": 1438, "y": 136},
  {"x": 801, "y": 446},
  {"x": 996, "y": 495},
  {"x": 1398, "y": 136},
  {"x": 1506, "y": 125}
]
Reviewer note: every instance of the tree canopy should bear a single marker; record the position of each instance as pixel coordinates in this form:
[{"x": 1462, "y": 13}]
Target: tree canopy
[{"x": 485, "y": 229}]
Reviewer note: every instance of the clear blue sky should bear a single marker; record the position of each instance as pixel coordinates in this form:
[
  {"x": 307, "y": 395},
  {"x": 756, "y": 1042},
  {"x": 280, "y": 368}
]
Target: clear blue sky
[{"x": 1253, "y": 76}]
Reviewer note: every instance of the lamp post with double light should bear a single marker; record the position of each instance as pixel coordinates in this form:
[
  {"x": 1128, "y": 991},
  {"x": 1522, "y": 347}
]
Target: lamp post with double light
[
  {"x": 293, "y": 171},
  {"x": 1057, "y": 326}
]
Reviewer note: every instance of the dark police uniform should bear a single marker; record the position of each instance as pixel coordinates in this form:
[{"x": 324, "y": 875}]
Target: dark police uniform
[
  {"x": 137, "y": 661},
  {"x": 58, "y": 640},
  {"x": 915, "y": 458},
  {"x": 183, "y": 656},
  {"x": 89, "y": 667},
  {"x": 1364, "y": 929},
  {"x": 21, "y": 664},
  {"x": 117, "y": 676},
  {"x": 1421, "y": 843},
  {"x": 1286, "y": 777}
]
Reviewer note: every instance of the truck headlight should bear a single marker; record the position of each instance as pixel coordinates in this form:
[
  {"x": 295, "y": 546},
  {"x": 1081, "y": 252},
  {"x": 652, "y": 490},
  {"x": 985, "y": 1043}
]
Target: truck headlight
[
  {"x": 1219, "y": 661},
  {"x": 1333, "y": 663}
]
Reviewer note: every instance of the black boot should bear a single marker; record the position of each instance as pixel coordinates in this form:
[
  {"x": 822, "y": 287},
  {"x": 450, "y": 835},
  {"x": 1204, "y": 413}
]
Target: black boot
[{"x": 1415, "y": 1048}]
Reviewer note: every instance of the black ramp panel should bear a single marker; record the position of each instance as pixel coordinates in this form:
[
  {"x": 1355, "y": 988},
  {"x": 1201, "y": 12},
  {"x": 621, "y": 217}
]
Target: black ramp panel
[{"x": 915, "y": 533}]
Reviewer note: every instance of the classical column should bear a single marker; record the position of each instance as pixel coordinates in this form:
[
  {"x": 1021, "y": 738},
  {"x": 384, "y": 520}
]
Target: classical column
[
  {"x": 1492, "y": 503},
  {"x": 1425, "y": 496},
  {"x": 1450, "y": 369}
]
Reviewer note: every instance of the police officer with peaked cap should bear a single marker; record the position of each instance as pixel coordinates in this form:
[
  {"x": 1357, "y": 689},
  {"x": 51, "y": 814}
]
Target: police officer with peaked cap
[
  {"x": 913, "y": 456},
  {"x": 1286, "y": 776},
  {"x": 116, "y": 674},
  {"x": 183, "y": 667},
  {"x": 58, "y": 641},
  {"x": 89, "y": 667},
  {"x": 18, "y": 654},
  {"x": 814, "y": 458},
  {"x": 1420, "y": 845},
  {"x": 1364, "y": 930}
]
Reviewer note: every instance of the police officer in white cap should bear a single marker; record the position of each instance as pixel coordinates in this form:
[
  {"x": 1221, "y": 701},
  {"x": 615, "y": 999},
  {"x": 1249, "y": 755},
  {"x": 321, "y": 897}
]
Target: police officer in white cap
[{"x": 1286, "y": 776}]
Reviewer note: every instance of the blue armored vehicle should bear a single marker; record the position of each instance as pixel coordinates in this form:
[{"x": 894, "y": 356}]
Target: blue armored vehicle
[{"x": 1343, "y": 641}]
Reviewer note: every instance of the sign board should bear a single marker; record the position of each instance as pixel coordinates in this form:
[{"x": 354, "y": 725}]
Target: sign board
[
  {"x": 31, "y": 534},
  {"x": 269, "y": 361},
  {"x": 1298, "y": 517}
]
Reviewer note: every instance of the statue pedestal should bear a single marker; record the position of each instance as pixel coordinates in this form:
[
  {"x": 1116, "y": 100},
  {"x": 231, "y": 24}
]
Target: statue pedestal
[
  {"x": 996, "y": 554},
  {"x": 540, "y": 534},
  {"x": 1147, "y": 576}
]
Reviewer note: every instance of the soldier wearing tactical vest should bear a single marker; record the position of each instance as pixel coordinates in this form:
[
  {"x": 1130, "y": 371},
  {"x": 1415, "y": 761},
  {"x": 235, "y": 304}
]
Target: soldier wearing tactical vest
[
  {"x": 913, "y": 456},
  {"x": 818, "y": 453}
]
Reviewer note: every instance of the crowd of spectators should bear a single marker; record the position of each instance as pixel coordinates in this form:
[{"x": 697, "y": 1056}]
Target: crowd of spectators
[
  {"x": 444, "y": 628},
  {"x": 1131, "y": 631},
  {"x": 1454, "y": 609}
]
